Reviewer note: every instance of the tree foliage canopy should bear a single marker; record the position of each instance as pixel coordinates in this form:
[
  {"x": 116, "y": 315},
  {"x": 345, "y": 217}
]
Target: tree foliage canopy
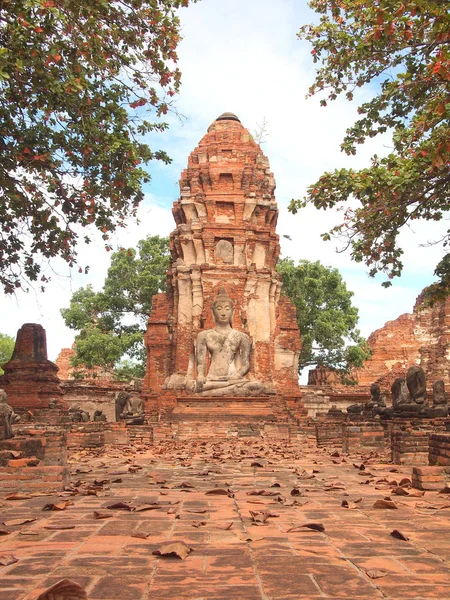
[
  {"x": 111, "y": 323},
  {"x": 403, "y": 48},
  {"x": 7, "y": 344},
  {"x": 325, "y": 315},
  {"x": 77, "y": 78}
]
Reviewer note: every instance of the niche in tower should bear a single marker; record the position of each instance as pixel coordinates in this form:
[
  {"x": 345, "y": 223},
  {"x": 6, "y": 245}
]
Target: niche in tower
[
  {"x": 226, "y": 181},
  {"x": 225, "y": 212},
  {"x": 224, "y": 251}
]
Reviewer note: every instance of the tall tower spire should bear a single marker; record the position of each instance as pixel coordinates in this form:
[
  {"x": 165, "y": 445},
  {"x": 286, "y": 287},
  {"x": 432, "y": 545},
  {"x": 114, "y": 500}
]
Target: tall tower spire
[{"x": 225, "y": 237}]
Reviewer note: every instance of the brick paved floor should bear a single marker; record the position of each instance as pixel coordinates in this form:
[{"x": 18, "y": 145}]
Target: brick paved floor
[{"x": 231, "y": 557}]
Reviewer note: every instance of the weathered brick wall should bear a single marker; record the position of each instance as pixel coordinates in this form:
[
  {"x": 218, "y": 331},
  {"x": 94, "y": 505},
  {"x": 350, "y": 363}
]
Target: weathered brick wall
[
  {"x": 95, "y": 395},
  {"x": 66, "y": 370},
  {"x": 140, "y": 434},
  {"x": 86, "y": 435},
  {"x": 430, "y": 478},
  {"x": 97, "y": 435},
  {"x": 365, "y": 436},
  {"x": 35, "y": 460},
  {"x": 421, "y": 338},
  {"x": 319, "y": 400},
  {"x": 439, "y": 449},
  {"x": 225, "y": 237}
]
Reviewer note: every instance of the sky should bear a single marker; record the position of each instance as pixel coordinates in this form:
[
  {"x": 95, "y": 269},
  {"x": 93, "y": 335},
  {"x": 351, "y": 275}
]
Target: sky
[{"x": 243, "y": 56}]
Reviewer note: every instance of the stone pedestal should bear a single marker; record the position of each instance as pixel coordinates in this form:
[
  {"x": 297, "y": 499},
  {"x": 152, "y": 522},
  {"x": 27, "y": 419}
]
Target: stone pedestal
[
  {"x": 30, "y": 379},
  {"x": 439, "y": 449},
  {"x": 365, "y": 436},
  {"x": 410, "y": 439},
  {"x": 205, "y": 417}
]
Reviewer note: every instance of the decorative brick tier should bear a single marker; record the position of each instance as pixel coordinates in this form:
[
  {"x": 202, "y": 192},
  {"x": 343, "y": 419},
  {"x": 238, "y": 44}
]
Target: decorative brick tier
[
  {"x": 35, "y": 460},
  {"x": 439, "y": 449},
  {"x": 365, "y": 436},
  {"x": 193, "y": 417},
  {"x": 246, "y": 409},
  {"x": 410, "y": 439}
]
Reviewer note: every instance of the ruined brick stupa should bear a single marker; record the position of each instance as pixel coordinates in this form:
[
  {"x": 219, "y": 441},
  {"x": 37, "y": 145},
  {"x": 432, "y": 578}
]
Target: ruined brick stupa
[{"x": 224, "y": 249}]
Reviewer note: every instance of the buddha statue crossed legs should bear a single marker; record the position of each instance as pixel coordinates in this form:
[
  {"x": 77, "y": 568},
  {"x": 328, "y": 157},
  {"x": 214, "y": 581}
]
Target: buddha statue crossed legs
[{"x": 229, "y": 356}]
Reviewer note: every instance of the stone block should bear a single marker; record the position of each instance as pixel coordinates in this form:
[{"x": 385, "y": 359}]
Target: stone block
[{"x": 430, "y": 478}]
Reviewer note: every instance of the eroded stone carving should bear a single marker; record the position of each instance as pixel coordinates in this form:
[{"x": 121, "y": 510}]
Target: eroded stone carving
[
  {"x": 377, "y": 399},
  {"x": 224, "y": 251},
  {"x": 399, "y": 392},
  {"x": 439, "y": 397},
  {"x": 229, "y": 352},
  {"x": 133, "y": 412},
  {"x": 7, "y": 417},
  {"x": 99, "y": 416},
  {"x": 440, "y": 404},
  {"x": 78, "y": 415},
  {"x": 120, "y": 402}
]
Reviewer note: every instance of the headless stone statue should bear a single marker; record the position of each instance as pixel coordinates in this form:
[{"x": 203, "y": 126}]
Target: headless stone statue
[
  {"x": 412, "y": 404},
  {"x": 355, "y": 409},
  {"x": 399, "y": 392},
  {"x": 440, "y": 404},
  {"x": 120, "y": 402},
  {"x": 133, "y": 412},
  {"x": 7, "y": 417},
  {"x": 439, "y": 397},
  {"x": 416, "y": 382},
  {"x": 376, "y": 401},
  {"x": 229, "y": 354}
]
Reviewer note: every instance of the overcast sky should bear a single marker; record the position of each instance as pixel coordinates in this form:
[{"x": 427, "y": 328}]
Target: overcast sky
[{"x": 244, "y": 57}]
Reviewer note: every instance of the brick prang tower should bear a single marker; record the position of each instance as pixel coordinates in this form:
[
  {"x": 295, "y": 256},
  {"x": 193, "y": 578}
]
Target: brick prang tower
[{"x": 225, "y": 237}]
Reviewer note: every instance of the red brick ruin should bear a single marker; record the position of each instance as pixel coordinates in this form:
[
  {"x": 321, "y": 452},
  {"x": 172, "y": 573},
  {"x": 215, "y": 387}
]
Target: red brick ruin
[
  {"x": 30, "y": 378},
  {"x": 225, "y": 238},
  {"x": 225, "y": 246},
  {"x": 219, "y": 429}
]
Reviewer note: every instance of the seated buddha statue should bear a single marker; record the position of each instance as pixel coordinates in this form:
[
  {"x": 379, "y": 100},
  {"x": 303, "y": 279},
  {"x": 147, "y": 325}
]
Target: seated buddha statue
[{"x": 228, "y": 351}]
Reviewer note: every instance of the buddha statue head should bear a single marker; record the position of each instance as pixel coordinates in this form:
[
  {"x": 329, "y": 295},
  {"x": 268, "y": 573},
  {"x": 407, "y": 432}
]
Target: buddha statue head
[{"x": 223, "y": 308}]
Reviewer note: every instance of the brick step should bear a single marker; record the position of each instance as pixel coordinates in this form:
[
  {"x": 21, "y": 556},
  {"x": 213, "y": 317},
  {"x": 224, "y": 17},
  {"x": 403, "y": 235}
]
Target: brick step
[
  {"x": 224, "y": 406},
  {"x": 221, "y": 431},
  {"x": 211, "y": 416}
]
